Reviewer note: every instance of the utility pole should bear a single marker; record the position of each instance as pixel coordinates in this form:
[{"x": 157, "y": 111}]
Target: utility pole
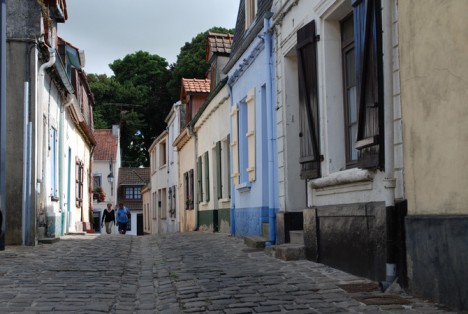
[{"x": 2, "y": 123}]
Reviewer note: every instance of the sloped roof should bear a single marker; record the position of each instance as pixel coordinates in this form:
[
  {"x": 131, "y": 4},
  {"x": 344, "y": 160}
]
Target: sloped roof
[
  {"x": 134, "y": 176},
  {"x": 218, "y": 44},
  {"x": 106, "y": 147},
  {"x": 196, "y": 85}
]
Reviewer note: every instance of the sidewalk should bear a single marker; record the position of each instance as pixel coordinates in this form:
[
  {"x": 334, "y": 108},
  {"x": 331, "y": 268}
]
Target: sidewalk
[{"x": 180, "y": 273}]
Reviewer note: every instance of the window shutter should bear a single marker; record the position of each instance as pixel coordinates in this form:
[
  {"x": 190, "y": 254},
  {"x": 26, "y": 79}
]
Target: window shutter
[
  {"x": 207, "y": 177},
  {"x": 235, "y": 144},
  {"x": 369, "y": 82},
  {"x": 219, "y": 167},
  {"x": 199, "y": 179},
  {"x": 251, "y": 134},
  {"x": 310, "y": 156}
]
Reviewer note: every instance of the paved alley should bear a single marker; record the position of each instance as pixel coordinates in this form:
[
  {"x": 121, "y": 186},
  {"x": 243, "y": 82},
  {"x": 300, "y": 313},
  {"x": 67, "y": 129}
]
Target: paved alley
[{"x": 180, "y": 273}]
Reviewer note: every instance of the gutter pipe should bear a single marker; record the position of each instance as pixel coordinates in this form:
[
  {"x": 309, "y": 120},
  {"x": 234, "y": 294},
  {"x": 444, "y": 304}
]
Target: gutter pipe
[
  {"x": 271, "y": 140},
  {"x": 389, "y": 180},
  {"x": 232, "y": 216}
]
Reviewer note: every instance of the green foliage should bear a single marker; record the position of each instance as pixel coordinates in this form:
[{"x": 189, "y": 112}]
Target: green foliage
[
  {"x": 141, "y": 92},
  {"x": 191, "y": 61}
]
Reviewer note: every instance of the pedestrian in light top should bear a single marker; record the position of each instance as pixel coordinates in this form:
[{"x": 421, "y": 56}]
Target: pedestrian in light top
[
  {"x": 123, "y": 213},
  {"x": 108, "y": 218}
]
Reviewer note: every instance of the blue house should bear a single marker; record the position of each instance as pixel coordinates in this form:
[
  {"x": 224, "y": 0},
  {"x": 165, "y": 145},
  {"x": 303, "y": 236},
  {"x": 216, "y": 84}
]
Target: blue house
[{"x": 254, "y": 197}]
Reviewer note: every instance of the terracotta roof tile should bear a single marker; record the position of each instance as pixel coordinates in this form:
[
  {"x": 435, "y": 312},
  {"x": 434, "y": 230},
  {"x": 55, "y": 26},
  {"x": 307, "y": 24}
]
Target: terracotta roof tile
[
  {"x": 196, "y": 85},
  {"x": 134, "y": 176},
  {"x": 106, "y": 147},
  {"x": 219, "y": 43}
]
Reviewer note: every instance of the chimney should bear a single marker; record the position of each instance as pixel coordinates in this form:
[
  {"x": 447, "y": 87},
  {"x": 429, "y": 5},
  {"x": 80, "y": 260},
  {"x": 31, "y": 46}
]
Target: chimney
[{"x": 115, "y": 131}]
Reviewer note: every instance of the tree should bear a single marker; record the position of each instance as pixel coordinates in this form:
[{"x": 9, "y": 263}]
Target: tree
[
  {"x": 136, "y": 99},
  {"x": 191, "y": 61}
]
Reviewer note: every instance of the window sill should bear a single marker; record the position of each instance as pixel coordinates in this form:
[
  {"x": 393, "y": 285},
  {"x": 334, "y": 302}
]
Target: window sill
[
  {"x": 224, "y": 200},
  {"x": 349, "y": 176},
  {"x": 243, "y": 187}
]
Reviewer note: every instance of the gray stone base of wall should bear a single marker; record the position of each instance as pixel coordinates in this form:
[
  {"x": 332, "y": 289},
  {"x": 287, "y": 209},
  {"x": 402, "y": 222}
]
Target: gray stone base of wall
[
  {"x": 351, "y": 237},
  {"x": 437, "y": 249}
]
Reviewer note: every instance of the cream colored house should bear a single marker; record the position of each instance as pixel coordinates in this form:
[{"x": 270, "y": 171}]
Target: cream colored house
[{"x": 434, "y": 92}]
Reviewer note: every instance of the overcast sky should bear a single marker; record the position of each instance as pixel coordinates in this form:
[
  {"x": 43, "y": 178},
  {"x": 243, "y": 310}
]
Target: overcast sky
[{"x": 108, "y": 30}]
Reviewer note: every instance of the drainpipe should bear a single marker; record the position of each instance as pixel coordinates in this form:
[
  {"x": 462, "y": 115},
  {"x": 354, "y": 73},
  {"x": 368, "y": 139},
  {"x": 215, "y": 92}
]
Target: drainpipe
[
  {"x": 389, "y": 181},
  {"x": 232, "y": 217},
  {"x": 27, "y": 151},
  {"x": 60, "y": 165},
  {"x": 39, "y": 155},
  {"x": 271, "y": 140}
]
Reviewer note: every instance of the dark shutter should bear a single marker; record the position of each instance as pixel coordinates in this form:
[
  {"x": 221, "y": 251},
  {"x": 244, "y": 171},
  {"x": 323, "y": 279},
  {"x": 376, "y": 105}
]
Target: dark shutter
[
  {"x": 199, "y": 179},
  {"x": 219, "y": 174},
  {"x": 369, "y": 82},
  {"x": 207, "y": 177},
  {"x": 310, "y": 157}
]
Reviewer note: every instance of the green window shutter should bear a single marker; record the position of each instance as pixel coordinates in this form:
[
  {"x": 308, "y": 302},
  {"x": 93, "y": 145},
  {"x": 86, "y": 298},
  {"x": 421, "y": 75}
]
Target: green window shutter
[
  {"x": 219, "y": 174},
  {"x": 207, "y": 177},
  {"x": 199, "y": 179},
  {"x": 369, "y": 82}
]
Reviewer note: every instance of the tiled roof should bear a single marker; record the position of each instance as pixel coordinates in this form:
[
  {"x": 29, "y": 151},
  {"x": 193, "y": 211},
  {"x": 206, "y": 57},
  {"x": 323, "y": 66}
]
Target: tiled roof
[
  {"x": 106, "y": 147},
  {"x": 218, "y": 43},
  {"x": 134, "y": 176},
  {"x": 196, "y": 85}
]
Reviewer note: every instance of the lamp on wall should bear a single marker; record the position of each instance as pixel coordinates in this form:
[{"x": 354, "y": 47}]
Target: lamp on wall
[{"x": 110, "y": 179}]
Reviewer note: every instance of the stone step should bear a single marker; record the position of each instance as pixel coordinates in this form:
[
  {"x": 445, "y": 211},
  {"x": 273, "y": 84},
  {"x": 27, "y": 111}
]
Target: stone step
[
  {"x": 255, "y": 242},
  {"x": 289, "y": 252},
  {"x": 296, "y": 237}
]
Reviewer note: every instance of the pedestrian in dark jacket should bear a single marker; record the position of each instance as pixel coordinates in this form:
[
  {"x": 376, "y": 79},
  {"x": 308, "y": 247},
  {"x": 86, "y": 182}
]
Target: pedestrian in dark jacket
[{"x": 108, "y": 218}]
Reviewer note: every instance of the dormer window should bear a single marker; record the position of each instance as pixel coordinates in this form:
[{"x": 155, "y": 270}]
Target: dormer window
[{"x": 250, "y": 12}]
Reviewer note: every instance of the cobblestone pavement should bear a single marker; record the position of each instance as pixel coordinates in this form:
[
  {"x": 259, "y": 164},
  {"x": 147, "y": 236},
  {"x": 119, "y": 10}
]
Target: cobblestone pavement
[{"x": 179, "y": 273}]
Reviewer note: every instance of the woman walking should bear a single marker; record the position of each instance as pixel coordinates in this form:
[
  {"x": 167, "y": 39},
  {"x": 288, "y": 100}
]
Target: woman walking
[
  {"x": 108, "y": 218},
  {"x": 122, "y": 218}
]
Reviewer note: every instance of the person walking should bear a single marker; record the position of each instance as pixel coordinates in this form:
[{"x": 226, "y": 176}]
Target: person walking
[
  {"x": 123, "y": 213},
  {"x": 108, "y": 218}
]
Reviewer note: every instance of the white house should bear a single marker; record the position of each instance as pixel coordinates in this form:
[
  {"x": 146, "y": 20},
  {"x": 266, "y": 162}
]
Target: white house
[{"x": 106, "y": 165}]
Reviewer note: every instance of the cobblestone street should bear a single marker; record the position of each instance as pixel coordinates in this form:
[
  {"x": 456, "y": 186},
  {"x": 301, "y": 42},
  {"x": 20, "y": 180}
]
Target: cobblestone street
[{"x": 180, "y": 273}]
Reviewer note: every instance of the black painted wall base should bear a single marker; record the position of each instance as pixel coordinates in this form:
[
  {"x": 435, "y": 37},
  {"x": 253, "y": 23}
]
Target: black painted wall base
[
  {"x": 351, "y": 237},
  {"x": 437, "y": 249}
]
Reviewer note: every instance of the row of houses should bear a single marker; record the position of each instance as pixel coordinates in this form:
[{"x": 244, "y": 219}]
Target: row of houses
[
  {"x": 343, "y": 119},
  {"x": 47, "y": 135}
]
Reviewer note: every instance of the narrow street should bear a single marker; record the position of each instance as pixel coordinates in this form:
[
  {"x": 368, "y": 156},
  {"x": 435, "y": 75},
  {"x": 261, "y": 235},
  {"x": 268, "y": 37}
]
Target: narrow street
[{"x": 179, "y": 273}]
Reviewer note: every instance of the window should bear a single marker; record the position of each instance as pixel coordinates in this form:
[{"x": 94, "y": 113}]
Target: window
[
  {"x": 162, "y": 154},
  {"x": 349, "y": 89},
  {"x": 221, "y": 168},
  {"x": 79, "y": 176},
  {"x": 96, "y": 181},
  {"x": 310, "y": 155},
  {"x": 369, "y": 82},
  {"x": 133, "y": 193},
  {"x": 188, "y": 185},
  {"x": 53, "y": 163},
  {"x": 172, "y": 201},
  {"x": 250, "y": 12}
]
